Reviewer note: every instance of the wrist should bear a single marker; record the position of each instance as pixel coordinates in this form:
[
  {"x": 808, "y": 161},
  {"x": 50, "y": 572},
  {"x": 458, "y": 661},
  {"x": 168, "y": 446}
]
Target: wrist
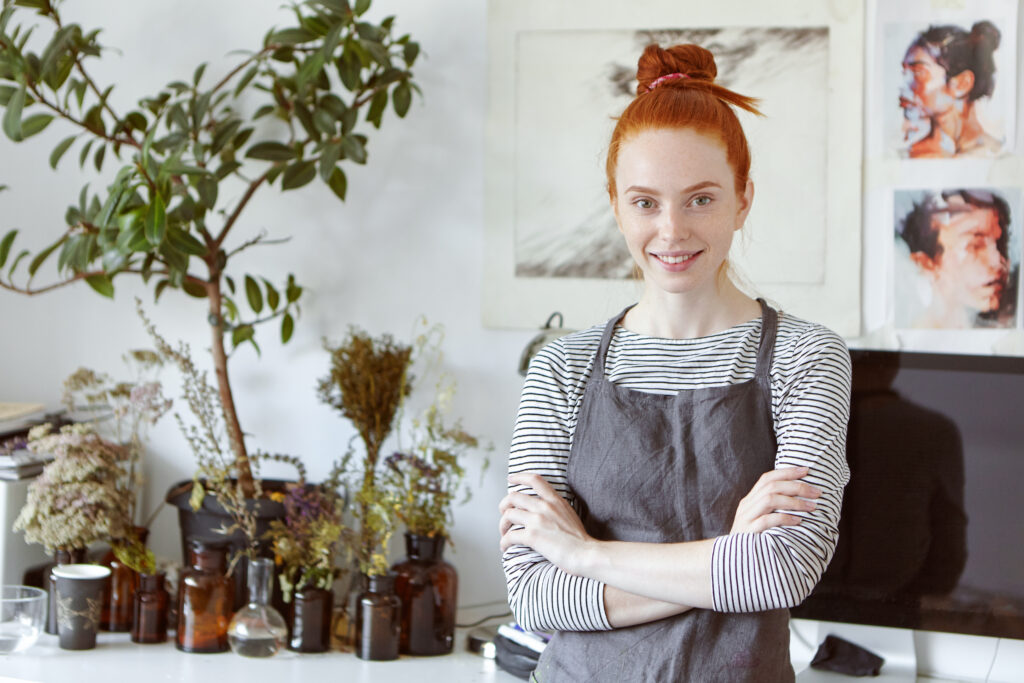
[{"x": 591, "y": 557}]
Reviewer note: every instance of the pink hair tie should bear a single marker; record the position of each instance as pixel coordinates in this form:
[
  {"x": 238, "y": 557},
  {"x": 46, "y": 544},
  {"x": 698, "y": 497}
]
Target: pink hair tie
[{"x": 664, "y": 79}]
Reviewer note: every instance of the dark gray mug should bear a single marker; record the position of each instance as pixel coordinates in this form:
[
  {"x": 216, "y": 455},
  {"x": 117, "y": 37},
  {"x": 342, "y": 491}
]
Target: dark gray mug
[{"x": 79, "y": 604}]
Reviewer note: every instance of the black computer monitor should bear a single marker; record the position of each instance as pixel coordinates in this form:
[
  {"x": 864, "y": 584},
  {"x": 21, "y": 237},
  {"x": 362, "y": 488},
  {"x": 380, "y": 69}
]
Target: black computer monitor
[{"x": 932, "y": 528}]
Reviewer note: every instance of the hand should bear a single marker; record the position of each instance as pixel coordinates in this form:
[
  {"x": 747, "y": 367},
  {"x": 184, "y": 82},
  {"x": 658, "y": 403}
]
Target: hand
[
  {"x": 775, "y": 490},
  {"x": 545, "y": 522}
]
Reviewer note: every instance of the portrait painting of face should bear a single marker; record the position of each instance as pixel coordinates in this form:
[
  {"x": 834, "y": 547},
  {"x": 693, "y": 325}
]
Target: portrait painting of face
[
  {"x": 944, "y": 87},
  {"x": 957, "y": 259}
]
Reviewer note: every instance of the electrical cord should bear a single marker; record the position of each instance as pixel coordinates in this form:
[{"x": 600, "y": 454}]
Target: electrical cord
[{"x": 478, "y": 622}]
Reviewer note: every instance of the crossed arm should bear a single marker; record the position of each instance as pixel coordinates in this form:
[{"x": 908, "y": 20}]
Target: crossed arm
[{"x": 643, "y": 581}]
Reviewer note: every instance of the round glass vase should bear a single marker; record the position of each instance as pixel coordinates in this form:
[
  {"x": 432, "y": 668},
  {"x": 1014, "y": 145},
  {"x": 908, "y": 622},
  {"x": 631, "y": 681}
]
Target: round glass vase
[
  {"x": 428, "y": 588},
  {"x": 205, "y": 599},
  {"x": 258, "y": 630},
  {"x": 311, "y": 611},
  {"x": 149, "y": 609},
  {"x": 378, "y": 619}
]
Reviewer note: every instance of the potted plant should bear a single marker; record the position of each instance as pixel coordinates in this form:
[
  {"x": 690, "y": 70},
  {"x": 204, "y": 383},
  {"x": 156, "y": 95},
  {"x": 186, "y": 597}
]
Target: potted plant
[
  {"x": 123, "y": 411},
  {"x": 426, "y": 481},
  {"x": 305, "y": 544},
  {"x": 193, "y": 155}
]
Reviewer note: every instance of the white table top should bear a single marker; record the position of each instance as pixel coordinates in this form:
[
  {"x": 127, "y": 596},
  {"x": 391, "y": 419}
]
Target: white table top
[{"x": 118, "y": 660}]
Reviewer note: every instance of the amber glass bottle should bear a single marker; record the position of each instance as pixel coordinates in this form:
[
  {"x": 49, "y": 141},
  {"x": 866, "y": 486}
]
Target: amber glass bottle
[
  {"x": 119, "y": 591},
  {"x": 205, "y": 598},
  {"x": 311, "y": 611},
  {"x": 377, "y": 619},
  {"x": 428, "y": 588},
  {"x": 149, "y": 618}
]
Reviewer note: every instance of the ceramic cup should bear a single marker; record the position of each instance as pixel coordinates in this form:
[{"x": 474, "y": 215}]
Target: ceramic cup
[{"x": 79, "y": 604}]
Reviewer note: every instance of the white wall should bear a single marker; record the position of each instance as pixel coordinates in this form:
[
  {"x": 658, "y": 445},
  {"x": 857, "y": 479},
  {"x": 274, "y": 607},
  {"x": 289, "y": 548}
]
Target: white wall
[{"x": 408, "y": 242}]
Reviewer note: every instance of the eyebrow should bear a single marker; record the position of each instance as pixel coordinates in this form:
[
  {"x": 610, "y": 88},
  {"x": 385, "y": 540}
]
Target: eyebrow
[{"x": 692, "y": 188}]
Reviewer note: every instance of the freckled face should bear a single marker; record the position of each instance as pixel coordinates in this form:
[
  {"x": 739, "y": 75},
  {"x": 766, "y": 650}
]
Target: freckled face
[
  {"x": 970, "y": 270},
  {"x": 677, "y": 207}
]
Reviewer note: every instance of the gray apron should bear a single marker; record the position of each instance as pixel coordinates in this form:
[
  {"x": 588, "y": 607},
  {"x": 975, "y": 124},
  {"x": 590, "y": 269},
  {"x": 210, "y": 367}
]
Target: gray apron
[{"x": 655, "y": 468}]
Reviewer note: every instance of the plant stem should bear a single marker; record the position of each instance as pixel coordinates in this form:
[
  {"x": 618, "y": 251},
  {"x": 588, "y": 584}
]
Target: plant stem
[{"x": 220, "y": 366}]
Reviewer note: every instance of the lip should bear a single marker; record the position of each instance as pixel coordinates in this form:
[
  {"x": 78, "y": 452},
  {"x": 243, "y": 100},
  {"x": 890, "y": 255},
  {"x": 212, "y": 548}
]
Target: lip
[{"x": 658, "y": 256}]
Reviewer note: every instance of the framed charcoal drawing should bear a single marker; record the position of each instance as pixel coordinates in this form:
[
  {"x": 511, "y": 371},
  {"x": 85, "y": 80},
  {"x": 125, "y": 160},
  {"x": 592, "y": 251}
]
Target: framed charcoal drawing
[{"x": 560, "y": 72}]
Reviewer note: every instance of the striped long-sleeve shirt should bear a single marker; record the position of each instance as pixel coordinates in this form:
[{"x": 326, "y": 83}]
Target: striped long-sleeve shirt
[{"x": 810, "y": 388}]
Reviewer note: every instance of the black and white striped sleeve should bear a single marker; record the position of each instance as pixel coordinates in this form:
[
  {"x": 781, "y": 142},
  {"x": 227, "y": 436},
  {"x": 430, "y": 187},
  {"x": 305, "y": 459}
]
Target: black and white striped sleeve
[
  {"x": 779, "y": 567},
  {"x": 542, "y": 596}
]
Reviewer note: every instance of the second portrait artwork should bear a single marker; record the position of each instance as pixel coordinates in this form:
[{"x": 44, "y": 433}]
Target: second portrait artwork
[{"x": 957, "y": 258}]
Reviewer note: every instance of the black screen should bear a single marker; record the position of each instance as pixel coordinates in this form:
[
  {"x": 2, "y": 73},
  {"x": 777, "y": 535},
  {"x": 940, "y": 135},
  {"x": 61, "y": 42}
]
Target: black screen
[{"x": 931, "y": 535}]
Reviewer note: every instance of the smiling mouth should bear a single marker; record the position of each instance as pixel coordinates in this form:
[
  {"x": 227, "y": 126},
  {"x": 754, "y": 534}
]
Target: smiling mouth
[{"x": 675, "y": 259}]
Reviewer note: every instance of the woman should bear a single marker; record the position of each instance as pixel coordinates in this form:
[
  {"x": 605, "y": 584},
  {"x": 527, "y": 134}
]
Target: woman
[
  {"x": 676, "y": 474},
  {"x": 947, "y": 71}
]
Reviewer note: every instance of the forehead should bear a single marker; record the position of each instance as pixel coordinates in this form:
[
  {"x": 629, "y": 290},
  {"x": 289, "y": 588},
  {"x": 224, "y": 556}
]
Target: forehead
[
  {"x": 967, "y": 219},
  {"x": 918, "y": 56},
  {"x": 663, "y": 154}
]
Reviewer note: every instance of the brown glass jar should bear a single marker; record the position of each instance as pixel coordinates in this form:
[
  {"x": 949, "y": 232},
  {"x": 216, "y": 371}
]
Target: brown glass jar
[
  {"x": 149, "y": 618},
  {"x": 119, "y": 590},
  {"x": 310, "y": 620},
  {"x": 61, "y": 556},
  {"x": 428, "y": 588},
  {"x": 205, "y": 598},
  {"x": 378, "y": 612}
]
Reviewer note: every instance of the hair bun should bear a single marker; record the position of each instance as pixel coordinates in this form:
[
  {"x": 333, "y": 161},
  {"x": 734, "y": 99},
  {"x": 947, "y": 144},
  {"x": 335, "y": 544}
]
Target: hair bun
[
  {"x": 986, "y": 33},
  {"x": 692, "y": 60}
]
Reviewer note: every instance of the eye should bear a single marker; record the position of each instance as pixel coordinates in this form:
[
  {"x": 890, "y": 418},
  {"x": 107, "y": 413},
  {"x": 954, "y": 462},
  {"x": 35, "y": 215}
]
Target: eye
[
  {"x": 702, "y": 200},
  {"x": 643, "y": 203}
]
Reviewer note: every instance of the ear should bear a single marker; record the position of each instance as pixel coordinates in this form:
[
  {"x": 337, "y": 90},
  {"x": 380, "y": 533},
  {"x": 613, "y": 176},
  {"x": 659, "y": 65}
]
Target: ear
[
  {"x": 961, "y": 84},
  {"x": 746, "y": 201},
  {"x": 615, "y": 211},
  {"x": 924, "y": 261}
]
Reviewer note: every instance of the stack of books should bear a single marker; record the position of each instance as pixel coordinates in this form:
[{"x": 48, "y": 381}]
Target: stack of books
[{"x": 16, "y": 461}]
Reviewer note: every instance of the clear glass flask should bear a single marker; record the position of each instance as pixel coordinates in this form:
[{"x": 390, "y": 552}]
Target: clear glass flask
[{"x": 258, "y": 630}]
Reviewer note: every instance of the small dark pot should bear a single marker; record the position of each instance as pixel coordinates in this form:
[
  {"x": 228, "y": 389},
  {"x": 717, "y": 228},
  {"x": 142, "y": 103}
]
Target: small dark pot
[
  {"x": 73, "y": 556},
  {"x": 311, "y": 612},
  {"x": 203, "y": 524},
  {"x": 378, "y": 624},
  {"x": 79, "y": 604}
]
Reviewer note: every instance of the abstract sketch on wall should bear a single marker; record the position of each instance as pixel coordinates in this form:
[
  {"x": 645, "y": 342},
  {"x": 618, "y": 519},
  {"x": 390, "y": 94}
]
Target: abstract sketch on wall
[
  {"x": 565, "y": 104},
  {"x": 957, "y": 258},
  {"x": 944, "y": 89}
]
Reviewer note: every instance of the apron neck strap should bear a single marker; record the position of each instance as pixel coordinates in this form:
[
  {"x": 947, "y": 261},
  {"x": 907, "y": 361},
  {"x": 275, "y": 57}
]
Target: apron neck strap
[{"x": 765, "y": 347}]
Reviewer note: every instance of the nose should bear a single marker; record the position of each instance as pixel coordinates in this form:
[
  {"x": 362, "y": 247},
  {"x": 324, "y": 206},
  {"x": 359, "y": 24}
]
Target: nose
[{"x": 673, "y": 226}]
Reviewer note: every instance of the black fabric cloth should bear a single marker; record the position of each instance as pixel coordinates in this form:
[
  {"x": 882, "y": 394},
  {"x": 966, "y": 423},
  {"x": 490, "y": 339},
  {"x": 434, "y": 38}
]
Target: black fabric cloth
[
  {"x": 843, "y": 657},
  {"x": 514, "y": 658},
  {"x": 655, "y": 468}
]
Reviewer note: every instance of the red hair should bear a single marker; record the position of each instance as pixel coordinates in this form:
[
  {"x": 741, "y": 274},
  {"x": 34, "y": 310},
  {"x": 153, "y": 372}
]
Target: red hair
[{"x": 692, "y": 102}]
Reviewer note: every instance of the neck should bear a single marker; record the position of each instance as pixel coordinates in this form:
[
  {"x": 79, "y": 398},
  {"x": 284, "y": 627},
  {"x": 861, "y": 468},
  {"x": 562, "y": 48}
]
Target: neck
[{"x": 690, "y": 314}]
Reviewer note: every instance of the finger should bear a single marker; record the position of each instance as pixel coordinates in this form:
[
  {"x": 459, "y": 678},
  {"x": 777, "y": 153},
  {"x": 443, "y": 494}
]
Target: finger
[
  {"x": 771, "y": 503},
  {"x": 783, "y": 474},
  {"x": 513, "y": 537},
  {"x": 773, "y": 520},
  {"x": 795, "y": 489},
  {"x": 517, "y": 516}
]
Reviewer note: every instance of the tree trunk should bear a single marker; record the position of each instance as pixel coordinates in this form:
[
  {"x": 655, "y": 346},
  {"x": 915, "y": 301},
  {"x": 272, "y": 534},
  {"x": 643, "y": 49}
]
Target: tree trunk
[{"x": 220, "y": 366}]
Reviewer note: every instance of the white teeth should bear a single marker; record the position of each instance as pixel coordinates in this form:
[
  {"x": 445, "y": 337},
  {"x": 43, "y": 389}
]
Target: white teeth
[{"x": 676, "y": 259}]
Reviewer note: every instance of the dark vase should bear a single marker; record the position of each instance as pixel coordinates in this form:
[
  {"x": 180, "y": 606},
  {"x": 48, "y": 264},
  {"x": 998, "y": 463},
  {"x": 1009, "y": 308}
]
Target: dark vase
[
  {"x": 428, "y": 588},
  {"x": 211, "y": 517},
  {"x": 205, "y": 598},
  {"x": 62, "y": 556},
  {"x": 119, "y": 591},
  {"x": 149, "y": 618},
  {"x": 310, "y": 623},
  {"x": 378, "y": 614}
]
